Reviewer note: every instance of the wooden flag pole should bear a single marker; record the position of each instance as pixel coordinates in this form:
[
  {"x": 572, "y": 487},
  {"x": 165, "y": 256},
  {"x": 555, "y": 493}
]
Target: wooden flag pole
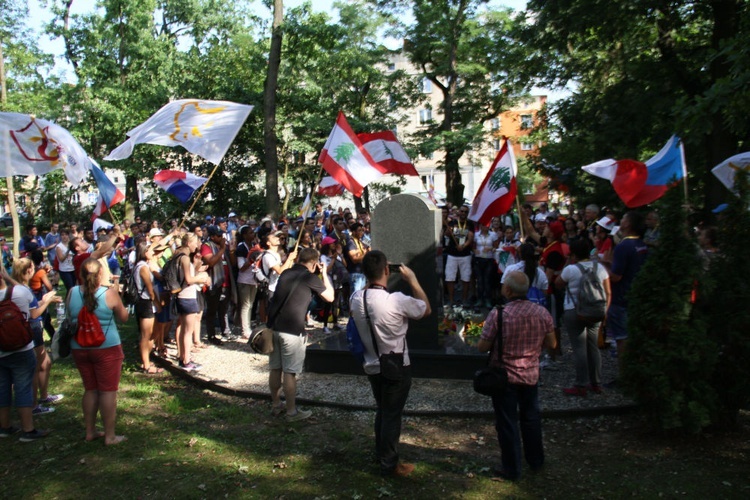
[
  {"x": 200, "y": 193},
  {"x": 312, "y": 190}
]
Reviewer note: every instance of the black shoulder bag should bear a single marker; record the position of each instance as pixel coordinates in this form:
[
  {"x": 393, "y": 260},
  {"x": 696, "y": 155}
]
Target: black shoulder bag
[
  {"x": 492, "y": 380},
  {"x": 261, "y": 339},
  {"x": 391, "y": 364}
]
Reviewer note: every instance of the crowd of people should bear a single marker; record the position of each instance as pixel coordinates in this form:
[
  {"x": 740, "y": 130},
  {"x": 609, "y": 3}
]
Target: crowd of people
[{"x": 232, "y": 273}]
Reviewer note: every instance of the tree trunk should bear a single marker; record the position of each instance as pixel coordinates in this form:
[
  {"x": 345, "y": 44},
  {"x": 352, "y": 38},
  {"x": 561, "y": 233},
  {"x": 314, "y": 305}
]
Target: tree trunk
[
  {"x": 269, "y": 112},
  {"x": 131, "y": 197},
  {"x": 3, "y": 86}
]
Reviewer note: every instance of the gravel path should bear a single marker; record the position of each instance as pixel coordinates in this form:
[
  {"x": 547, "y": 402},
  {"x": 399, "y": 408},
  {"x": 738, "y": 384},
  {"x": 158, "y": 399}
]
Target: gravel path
[{"x": 234, "y": 366}]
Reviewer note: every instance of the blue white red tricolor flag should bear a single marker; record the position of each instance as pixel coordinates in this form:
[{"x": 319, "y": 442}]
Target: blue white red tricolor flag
[
  {"x": 32, "y": 146},
  {"x": 182, "y": 185},
  {"x": 329, "y": 187},
  {"x": 346, "y": 159},
  {"x": 109, "y": 194},
  {"x": 498, "y": 190},
  {"x": 388, "y": 152},
  {"x": 638, "y": 183},
  {"x": 205, "y": 128}
]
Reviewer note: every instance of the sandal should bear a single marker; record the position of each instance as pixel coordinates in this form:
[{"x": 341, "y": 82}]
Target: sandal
[{"x": 152, "y": 370}]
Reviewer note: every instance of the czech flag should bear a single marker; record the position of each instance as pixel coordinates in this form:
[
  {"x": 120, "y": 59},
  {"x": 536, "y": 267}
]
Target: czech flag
[
  {"x": 638, "y": 183},
  {"x": 109, "y": 195},
  {"x": 180, "y": 184}
]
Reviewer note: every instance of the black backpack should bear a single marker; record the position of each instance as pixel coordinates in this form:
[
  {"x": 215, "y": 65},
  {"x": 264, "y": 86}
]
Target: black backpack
[
  {"x": 15, "y": 331},
  {"x": 172, "y": 274},
  {"x": 130, "y": 293}
]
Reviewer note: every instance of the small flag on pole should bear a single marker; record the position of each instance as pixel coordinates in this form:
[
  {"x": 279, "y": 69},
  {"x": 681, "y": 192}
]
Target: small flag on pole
[
  {"x": 346, "y": 159},
  {"x": 638, "y": 183},
  {"x": 109, "y": 194},
  {"x": 32, "y": 146},
  {"x": 498, "y": 190},
  {"x": 388, "y": 152},
  {"x": 329, "y": 187},
  {"x": 182, "y": 185},
  {"x": 726, "y": 170},
  {"x": 205, "y": 128},
  {"x": 431, "y": 188}
]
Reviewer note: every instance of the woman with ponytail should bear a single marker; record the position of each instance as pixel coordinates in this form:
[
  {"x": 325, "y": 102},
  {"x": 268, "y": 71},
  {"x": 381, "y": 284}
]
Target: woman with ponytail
[{"x": 100, "y": 367}]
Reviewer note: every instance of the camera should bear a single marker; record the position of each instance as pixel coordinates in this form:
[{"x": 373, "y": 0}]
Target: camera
[{"x": 394, "y": 268}]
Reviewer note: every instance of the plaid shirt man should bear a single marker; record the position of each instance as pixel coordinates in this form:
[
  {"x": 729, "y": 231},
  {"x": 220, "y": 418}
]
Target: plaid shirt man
[{"x": 525, "y": 325}]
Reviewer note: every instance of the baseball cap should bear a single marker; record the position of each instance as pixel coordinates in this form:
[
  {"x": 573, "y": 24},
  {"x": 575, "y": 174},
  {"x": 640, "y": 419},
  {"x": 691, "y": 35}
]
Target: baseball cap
[
  {"x": 214, "y": 231},
  {"x": 232, "y": 214},
  {"x": 720, "y": 208},
  {"x": 606, "y": 223},
  {"x": 540, "y": 218},
  {"x": 219, "y": 220},
  {"x": 155, "y": 231}
]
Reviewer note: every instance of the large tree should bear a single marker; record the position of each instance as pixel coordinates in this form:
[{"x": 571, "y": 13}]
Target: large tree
[{"x": 641, "y": 70}]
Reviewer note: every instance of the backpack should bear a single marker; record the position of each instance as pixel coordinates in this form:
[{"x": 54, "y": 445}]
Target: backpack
[
  {"x": 354, "y": 341},
  {"x": 591, "y": 303},
  {"x": 131, "y": 294},
  {"x": 537, "y": 296},
  {"x": 15, "y": 331},
  {"x": 172, "y": 274},
  {"x": 90, "y": 333},
  {"x": 260, "y": 275}
]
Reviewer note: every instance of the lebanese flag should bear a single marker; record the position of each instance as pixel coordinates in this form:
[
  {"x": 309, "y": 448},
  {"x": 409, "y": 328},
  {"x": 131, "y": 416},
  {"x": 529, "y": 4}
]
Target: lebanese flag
[
  {"x": 638, "y": 183},
  {"x": 498, "y": 190},
  {"x": 346, "y": 159},
  {"x": 180, "y": 184},
  {"x": 388, "y": 152},
  {"x": 329, "y": 187},
  {"x": 109, "y": 194}
]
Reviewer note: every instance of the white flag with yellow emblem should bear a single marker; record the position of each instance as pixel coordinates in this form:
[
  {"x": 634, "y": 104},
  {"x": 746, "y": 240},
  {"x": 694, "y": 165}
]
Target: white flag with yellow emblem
[
  {"x": 205, "y": 128},
  {"x": 32, "y": 146}
]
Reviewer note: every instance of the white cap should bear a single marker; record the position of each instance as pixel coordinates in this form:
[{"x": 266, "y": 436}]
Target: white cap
[
  {"x": 606, "y": 223},
  {"x": 232, "y": 214}
]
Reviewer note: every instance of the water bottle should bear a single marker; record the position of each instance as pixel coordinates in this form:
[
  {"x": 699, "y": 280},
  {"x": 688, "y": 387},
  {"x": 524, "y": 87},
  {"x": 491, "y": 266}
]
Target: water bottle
[{"x": 60, "y": 312}]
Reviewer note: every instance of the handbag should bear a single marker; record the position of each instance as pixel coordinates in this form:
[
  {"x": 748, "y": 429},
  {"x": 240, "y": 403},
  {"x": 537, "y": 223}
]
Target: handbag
[
  {"x": 60, "y": 347},
  {"x": 391, "y": 364},
  {"x": 261, "y": 339},
  {"x": 492, "y": 380}
]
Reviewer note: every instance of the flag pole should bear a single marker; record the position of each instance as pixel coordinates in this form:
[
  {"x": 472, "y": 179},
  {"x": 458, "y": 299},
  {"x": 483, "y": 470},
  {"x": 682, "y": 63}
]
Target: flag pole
[
  {"x": 312, "y": 191},
  {"x": 520, "y": 222},
  {"x": 195, "y": 200}
]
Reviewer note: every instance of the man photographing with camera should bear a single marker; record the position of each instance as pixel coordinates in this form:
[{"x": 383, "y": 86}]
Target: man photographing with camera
[
  {"x": 387, "y": 363},
  {"x": 286, "y": 316}
]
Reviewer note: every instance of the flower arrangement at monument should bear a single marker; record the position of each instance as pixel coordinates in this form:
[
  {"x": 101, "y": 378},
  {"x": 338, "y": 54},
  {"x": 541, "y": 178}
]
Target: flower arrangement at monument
[{"x": 472, "y": 332}]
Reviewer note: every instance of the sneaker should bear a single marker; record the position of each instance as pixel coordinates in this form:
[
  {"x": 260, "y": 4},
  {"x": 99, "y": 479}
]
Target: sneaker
[
  {"x": 326, "y": 329},
  {"x": 575, "y": 391},
  {"x": 4, "y": 433},
  {"x": 190, "y": 367},
  {"x": 401, "y": 470},
  {"x": 300, "y": 415},
  {"x": 28, "y": 437},
  {"x": 42, "y": 410},
  {"x": 51, "y": 399},
  {"x": 230, "y": 337},
  {"x": 215, "y": 341}
]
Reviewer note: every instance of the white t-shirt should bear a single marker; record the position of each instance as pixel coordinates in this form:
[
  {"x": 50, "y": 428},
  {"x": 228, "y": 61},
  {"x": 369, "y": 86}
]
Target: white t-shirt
[
  {"x": 483, "y": 244},
  {"x": 67, "y": 264},
  {"x": 23, "y": 298},
  {"x": 246, "y": 277},
  {"x": 269, "y": 261},
  {"x": 571, "y": 275},
  {"x": 389, "y": 313},
  {"x": 540, "y": 281}
]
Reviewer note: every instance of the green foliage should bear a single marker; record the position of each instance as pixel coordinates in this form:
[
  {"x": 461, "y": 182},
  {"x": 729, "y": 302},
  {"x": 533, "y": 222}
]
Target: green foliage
[
  {"x": 669, "y": 360},
  {"x": 727, "y": 296}
]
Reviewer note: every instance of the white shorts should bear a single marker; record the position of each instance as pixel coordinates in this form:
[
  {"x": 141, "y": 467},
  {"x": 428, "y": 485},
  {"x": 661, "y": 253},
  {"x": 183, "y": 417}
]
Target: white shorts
[
  {"x": 288, "y": 352},
  {"x": 458, "y": 265}
]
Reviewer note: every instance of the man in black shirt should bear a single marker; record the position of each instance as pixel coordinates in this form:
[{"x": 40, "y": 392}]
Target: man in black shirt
[{"x": 286, "y": 316}]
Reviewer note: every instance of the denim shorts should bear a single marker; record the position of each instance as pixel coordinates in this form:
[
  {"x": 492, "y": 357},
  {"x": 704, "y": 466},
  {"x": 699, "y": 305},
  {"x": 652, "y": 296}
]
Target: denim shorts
[
  {"x": 144, "y": 309},
  {"x": 37, "y": 333},
  {"x": 617, "y": 322},
  {"x": 187, "y": 306},
  {"x": 17, "y": 372}
]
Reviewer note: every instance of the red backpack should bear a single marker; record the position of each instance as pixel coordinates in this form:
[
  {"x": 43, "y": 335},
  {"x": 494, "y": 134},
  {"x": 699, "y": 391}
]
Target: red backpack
[
  {"x": 15, "y": 332},
  {"x": 90, "y": 333}
]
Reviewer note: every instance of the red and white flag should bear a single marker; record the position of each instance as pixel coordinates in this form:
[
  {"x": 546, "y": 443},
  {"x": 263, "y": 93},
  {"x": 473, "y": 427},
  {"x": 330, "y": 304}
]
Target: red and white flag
[
  {"x": 346, "y": 159},
  {"x": 498, "y": 190},
  {"x": 329, "y": 187},
  {"x": 388, "y": 152}
]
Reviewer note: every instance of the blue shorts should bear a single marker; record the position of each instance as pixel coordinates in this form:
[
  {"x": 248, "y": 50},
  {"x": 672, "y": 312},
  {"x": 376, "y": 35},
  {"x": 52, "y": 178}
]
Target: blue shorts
[
  {"x": 17, "y": 372},
  {"x": 617, "y": 322},
  {"x": 37, "y": 332},
  {"x": 187, "y": 306}
]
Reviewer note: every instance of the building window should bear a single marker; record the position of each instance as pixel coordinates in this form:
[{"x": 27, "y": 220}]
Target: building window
[
  {"x": 392, "y": 103},
  {"x": 495, "y": 124},
  {"x": 526, "y": 122},
  {"x": 426, "y": 85},
  {"x": 496, "y": 144},
  {"x": 526, "y": 146},
  {"x": 425, "y": 116}
]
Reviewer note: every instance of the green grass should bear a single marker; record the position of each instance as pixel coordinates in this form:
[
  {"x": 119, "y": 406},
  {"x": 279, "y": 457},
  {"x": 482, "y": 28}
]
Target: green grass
[{"x": 184, "y": 442}]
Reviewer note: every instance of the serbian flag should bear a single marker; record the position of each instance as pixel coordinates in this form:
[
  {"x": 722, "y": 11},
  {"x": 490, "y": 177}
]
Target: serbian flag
[
  {"x": 498, "y": 190},
  {"x": 726, "y": 170},
  {"x": 388, "y": 152},
  {"x": 109, "y": 194},
  {"x": 329, "y": 187},
  {"x": 346, "y": 159},
  {"x": 638, "y": 183},
  {"x": 180, "y": 184},
  {"x": 205, "y": 128},
  {"x": 32, "y": 146}
]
